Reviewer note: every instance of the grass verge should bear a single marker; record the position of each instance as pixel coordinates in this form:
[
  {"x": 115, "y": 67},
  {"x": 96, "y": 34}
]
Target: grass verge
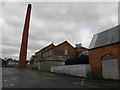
[{"x": 47, "y": 74}]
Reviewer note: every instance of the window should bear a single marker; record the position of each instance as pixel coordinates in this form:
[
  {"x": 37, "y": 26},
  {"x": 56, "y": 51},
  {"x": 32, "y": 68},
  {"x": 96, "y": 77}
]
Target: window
[{"x": 66, "y": 52}]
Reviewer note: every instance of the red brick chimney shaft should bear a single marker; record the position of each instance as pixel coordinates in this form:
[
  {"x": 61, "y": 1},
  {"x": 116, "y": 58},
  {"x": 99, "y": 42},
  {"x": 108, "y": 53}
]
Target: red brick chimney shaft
[{"x": 23, "y": 49}]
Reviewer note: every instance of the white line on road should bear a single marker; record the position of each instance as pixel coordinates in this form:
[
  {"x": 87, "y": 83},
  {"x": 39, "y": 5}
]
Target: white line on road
[{"x": 82, "y": 81}]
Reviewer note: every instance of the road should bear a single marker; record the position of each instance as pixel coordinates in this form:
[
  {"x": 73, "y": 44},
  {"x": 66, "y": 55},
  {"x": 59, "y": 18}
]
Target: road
[{"x": 27, "y": 78}]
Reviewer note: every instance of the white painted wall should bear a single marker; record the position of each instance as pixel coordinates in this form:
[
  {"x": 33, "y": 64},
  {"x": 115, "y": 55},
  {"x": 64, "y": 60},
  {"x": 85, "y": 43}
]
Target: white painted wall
[{"x": 82, "y": 70}]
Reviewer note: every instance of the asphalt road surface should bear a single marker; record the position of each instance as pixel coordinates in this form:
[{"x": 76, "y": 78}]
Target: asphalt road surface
[{"x": 27, "y": 78}]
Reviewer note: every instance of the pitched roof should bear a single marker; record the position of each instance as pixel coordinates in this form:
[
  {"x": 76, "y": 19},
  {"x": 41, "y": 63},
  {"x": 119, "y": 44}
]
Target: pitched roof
[
  {"x": 45, "y": 47},
  {"x": 107, "y": 37},
  {"x": 63, "y": 43}
]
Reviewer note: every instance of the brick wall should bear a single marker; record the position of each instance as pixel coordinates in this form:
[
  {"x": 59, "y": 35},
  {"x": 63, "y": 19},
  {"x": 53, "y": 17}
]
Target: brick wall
[
  {"x": 96, "y": 54},
  {"x": 39, "y": 54},
  {"x": 80, "y": 49},
  {"x": 65, "y": 46}
]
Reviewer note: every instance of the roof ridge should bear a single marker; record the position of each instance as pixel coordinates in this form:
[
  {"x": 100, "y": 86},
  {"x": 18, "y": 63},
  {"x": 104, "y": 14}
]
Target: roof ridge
[
  {"x": 64, "y": 42},
  {"x": 45, "y": 47}
]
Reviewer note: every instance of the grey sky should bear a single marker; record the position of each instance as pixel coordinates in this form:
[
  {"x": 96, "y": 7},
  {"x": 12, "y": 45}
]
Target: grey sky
[{"x": 75, "y": 22}]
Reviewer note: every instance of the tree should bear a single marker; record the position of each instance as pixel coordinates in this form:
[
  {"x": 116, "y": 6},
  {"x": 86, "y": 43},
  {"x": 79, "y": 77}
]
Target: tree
[
  {"x": 32, "y": 58},
  {"x": 4, "y": 62}
]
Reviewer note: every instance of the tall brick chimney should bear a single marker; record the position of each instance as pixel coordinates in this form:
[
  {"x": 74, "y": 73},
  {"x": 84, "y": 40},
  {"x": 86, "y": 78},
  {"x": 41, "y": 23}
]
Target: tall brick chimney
[{"x": 24, "y": 43}]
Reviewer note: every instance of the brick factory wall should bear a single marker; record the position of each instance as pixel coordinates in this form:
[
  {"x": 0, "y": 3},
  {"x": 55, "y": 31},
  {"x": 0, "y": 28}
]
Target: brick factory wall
[
  {"x": 95, "y": 56},
  {"x": 63, "y": 47}
]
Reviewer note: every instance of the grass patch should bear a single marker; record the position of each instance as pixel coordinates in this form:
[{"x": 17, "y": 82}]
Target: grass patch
[{"x": 47, "y": 74}]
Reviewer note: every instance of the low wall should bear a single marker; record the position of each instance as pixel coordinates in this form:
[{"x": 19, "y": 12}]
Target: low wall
[{"x": 82, "y": 70}]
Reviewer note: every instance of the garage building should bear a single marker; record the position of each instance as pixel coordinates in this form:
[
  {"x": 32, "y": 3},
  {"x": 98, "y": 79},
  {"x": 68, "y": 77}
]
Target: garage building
[{"x": 104, "y": 54}]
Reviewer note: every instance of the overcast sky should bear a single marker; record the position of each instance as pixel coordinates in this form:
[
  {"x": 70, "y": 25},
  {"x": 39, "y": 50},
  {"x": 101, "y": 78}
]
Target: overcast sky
[{"x": 54, "y": 22}]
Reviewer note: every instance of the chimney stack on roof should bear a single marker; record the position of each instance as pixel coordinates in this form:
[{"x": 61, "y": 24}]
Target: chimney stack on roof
[{"x": 78, "y": 45}]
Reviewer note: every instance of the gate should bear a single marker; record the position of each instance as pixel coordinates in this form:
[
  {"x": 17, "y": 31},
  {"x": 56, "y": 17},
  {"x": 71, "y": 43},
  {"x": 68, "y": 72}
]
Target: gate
[{"x": 110, "y": 67}]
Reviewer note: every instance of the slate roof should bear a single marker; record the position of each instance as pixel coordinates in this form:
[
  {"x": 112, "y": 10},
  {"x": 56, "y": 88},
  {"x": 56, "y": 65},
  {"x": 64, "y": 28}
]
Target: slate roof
[{"x": 107, "y": 37}]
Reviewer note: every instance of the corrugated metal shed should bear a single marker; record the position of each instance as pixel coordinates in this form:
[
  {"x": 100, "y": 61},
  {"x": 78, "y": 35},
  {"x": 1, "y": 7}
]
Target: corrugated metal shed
[{"x": 106, "y": 37}]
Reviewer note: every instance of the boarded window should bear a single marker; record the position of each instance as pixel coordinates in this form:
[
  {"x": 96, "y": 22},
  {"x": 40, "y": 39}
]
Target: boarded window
[{"x": 66, "y": 52}]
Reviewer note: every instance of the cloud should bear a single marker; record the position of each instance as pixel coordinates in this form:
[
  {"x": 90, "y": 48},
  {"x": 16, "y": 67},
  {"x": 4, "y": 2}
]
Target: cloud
[{"x": 54, "y": 22}]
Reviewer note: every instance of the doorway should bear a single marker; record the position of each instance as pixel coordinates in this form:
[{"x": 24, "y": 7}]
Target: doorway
[{"x": 109, "y": 66}]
